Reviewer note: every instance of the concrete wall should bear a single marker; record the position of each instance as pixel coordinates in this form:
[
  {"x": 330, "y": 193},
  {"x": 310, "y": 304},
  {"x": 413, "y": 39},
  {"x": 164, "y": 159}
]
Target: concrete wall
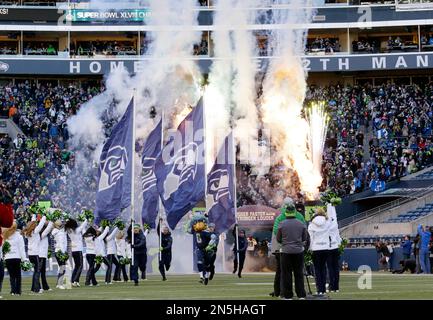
[{"x": 356, "y": 257}]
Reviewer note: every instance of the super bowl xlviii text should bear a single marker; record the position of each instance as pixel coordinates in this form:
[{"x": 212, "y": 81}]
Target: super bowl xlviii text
[{"x": 217, "y": 309}]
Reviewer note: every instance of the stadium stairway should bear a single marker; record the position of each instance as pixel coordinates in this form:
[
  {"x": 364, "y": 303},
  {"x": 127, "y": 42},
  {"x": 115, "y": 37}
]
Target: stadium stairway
[{"x": 7, "y": 126}]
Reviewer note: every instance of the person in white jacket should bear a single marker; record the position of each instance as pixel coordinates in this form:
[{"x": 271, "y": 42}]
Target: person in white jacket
[
  {"x": 319, "y": 245},
  {"x": 14, "y": 257},
  {"x": 333, "y": 252},
  {"x": 110, "y": 258},
  {"x": 75, "y": 233},
  {"x": 89, "y": 239},
  {"x": 43, "y": 254},
  {"x": 122, "y": 252},
  {"x": 100, "y": 248},
  {"x": 32, "y": 233},
  {"x": 61, "y": 247}
]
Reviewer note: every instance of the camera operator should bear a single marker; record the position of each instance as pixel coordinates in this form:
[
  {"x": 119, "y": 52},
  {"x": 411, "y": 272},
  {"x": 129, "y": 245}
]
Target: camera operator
[{"x": 6, "y": 220}]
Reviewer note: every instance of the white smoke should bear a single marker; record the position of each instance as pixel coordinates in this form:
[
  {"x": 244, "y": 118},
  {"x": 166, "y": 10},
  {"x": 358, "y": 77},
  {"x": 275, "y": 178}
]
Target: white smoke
[
  {"x": 169, "y": 81},
  {"x": 284, "y": 89}
]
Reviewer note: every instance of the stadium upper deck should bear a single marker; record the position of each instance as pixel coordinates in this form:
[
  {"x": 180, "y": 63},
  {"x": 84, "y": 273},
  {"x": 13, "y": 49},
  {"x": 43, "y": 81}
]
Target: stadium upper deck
[{"x": 72, "y": 38}]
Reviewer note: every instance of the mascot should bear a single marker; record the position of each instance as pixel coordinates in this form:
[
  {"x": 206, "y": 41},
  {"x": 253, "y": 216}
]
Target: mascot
[{"x": 205, "y": 245}]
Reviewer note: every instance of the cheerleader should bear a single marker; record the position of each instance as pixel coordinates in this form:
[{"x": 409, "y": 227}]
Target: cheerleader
[
  {"x": 122, "y": 252},
  {"x": 89, "y": 238},
  {"x": 61, "y": 240},
  {"x": 75, "y": 233},
  {"x": 14, "y": 257},
  {"x": 43, "y": 254},
  {"x": 110, "y": 258},
  {"x": 100, "y": 249},
  {"x": 32, "y": 233}
]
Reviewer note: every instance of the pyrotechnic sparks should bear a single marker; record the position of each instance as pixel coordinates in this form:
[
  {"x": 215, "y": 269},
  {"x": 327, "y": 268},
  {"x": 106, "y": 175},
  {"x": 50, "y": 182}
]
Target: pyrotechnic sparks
[{"x": 318, "y": 122}]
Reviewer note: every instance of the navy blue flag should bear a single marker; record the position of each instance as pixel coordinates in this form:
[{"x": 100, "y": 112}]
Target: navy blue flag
[
  {"x": 180, "y": 168},
  {"x": 221, "y": 188},
  {"x": 152, "y": 148},
  {"x": 115, "y": 170}
]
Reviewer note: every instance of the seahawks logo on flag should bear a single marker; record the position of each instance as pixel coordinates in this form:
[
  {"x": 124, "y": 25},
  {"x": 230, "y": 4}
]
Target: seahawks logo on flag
[
  {"x": 112, "y": 167},
  {"x": 148, "y": 178},
  {"x": 183, "y": 169},
  {"x": 218, "y": 187},
  {"x": 115, "y": 169}
]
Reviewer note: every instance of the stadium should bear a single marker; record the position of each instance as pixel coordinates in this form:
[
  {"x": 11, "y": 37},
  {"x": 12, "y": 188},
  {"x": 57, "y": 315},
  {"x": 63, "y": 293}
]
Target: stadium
[{"x": 317, "y": 108}]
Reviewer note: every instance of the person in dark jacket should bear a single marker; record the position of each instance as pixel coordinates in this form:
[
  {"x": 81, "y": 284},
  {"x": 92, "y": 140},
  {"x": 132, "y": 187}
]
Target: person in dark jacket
[
  {"x": 166, "y": 244},
  {"x": 384, "y": 254},
  {"x": 243, "y": 245},
  {"x": 406, "y": 246},
  {"x": 212, "y": 253},
  {"x": 294, "y": 239},
  {"x": 287, "y": 210},
  {"x": 140, "y": 252}
]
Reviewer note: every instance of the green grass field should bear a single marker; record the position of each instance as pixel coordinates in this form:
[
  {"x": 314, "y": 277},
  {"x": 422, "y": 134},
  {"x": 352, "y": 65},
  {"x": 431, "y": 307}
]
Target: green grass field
[{"x": 226, "y": 286}]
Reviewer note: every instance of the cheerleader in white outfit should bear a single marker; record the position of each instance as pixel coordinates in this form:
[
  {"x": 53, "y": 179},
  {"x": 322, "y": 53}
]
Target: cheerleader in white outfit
[
  {"x": 89, "y": 239},
  {"x": 32, "y": 233},
  {"x": 61, "y": 247},
  {"x": 122, "y": 252},
  {"x": 75, "y": 233},
  {"x": 14, "y": 257},
  {"x": 43, "y": 254},
  {"x": 100, "y": 249},
  {"x": 111, "y": 259}
]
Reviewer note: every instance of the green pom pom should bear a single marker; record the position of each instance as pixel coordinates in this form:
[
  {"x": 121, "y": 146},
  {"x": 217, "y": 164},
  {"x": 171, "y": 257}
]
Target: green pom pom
[
  {"x": 26, "y": 265},
  {"x": 6, "y": 247}
]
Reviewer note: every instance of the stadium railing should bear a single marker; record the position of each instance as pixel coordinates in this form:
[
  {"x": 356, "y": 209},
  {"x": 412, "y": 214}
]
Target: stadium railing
[{"x": 419, "y": 196}]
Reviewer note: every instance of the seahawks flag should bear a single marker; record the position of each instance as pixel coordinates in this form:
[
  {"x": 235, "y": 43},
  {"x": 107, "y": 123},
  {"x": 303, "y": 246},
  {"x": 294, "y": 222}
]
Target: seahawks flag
[
  {"x": 180, "y": 167},
  {"x": 221, "y": 188},
  {"x": 115, "y": 169},
  {"x": 152, "y": 148}
]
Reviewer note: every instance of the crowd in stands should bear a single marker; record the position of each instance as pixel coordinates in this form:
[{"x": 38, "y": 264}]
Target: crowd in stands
[
  {"x": 375, "y": 134},
  {"x": 110, "y": 48},
  {"x": 39, "y": 166},
  {"x": 327, "y": 45},
  {"x": 364, "y": 46},
  {"x": 398, "y": 120},
  {"x": 40, "y": 48},
  {"x": 202, "y": 48},
  {"x": 8, "y": 48}
]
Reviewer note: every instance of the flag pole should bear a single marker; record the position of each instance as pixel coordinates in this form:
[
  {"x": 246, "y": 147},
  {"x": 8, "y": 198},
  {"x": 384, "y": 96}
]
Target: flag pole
[
  {"x": 160, "y": 206},
  {"x": 235, "y": 204},
  {"x": 205, "y": 148},
  {"x": 132, "y": 177}
]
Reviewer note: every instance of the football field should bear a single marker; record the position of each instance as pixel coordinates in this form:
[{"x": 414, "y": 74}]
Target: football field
[{"x": 255, "y": 286}]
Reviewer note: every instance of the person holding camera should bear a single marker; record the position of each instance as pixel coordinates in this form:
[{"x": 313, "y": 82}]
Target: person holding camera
[{"x": 6, "y": 221}]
